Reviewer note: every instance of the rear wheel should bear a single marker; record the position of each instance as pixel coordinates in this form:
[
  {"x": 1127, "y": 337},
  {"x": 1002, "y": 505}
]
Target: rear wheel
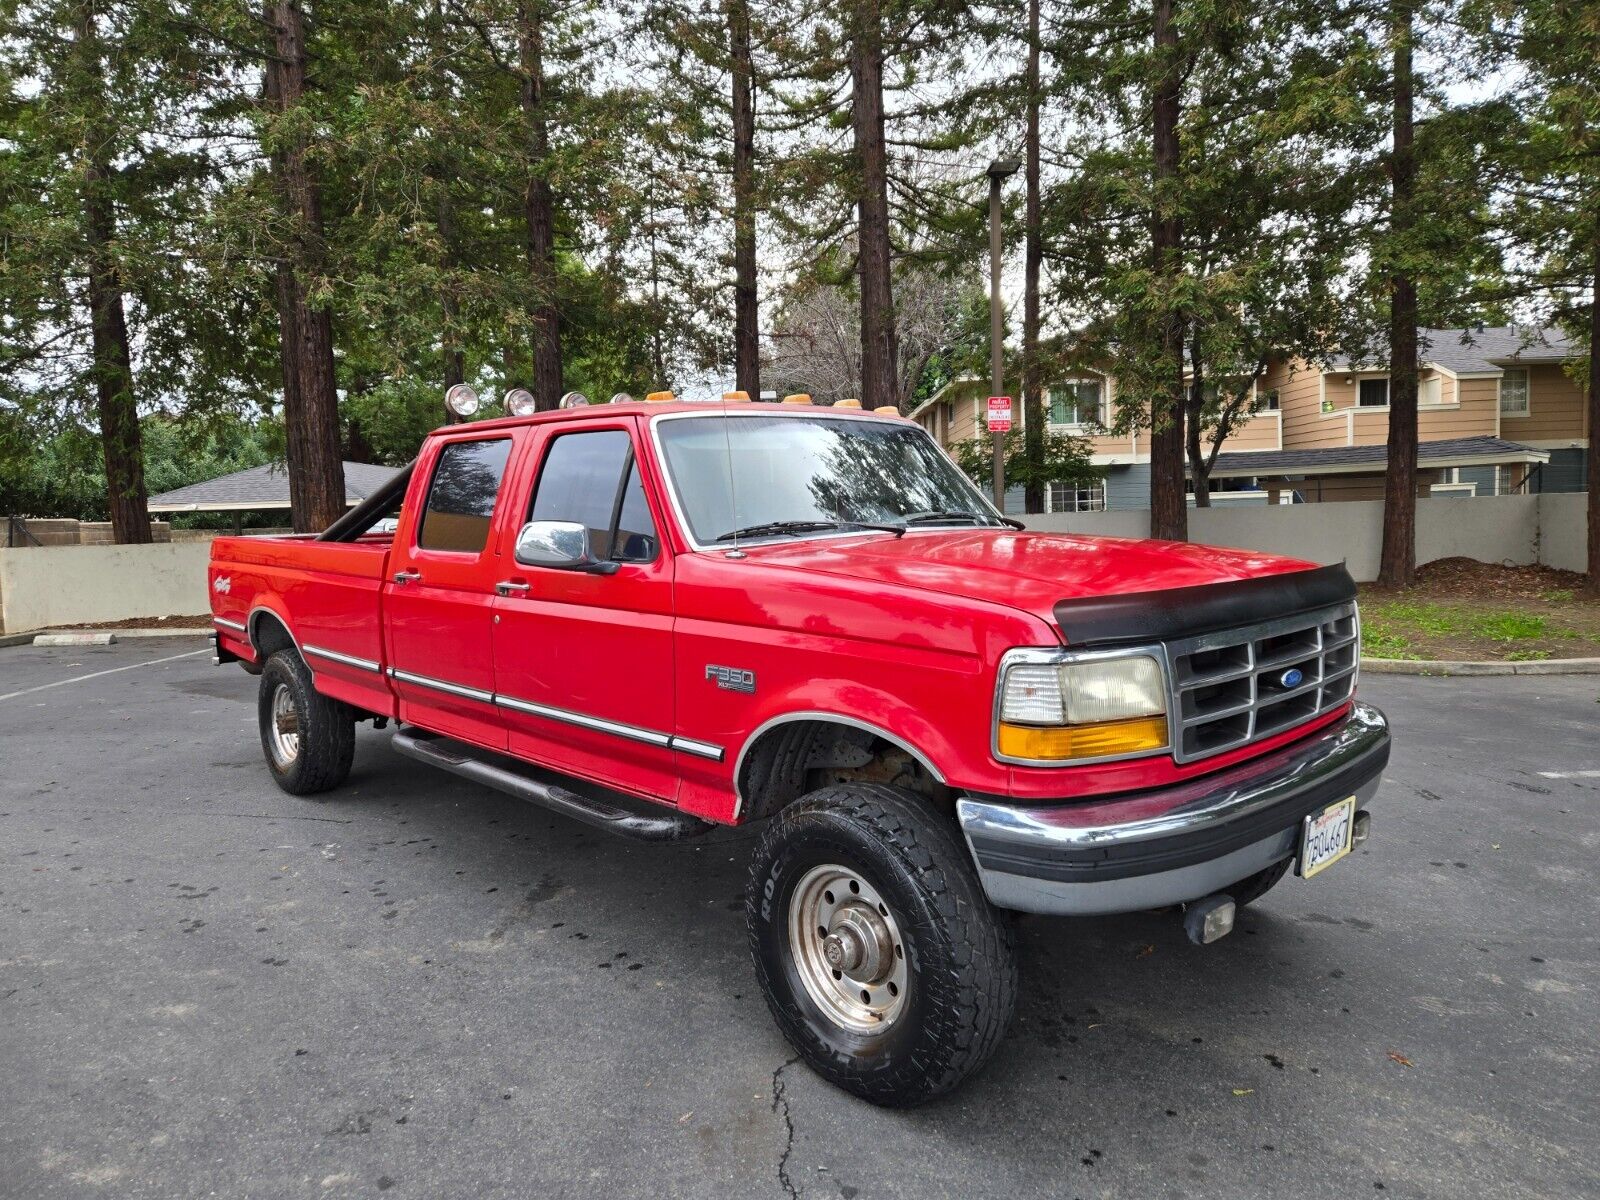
[
  {"x": 880, "y": 957},
  {"x": 309, "y": 740}
]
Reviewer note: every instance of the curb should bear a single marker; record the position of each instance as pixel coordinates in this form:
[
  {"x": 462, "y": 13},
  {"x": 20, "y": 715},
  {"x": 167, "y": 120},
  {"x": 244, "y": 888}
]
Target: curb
[
  {"x": 1542, "y": 666},
  {"x": 15, "y": 639},
  {"x": 117, "y": 635}
]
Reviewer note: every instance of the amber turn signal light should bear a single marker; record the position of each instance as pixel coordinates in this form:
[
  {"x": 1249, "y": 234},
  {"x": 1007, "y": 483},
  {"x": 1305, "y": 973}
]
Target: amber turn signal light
[{"x": 1065, "y": 742}]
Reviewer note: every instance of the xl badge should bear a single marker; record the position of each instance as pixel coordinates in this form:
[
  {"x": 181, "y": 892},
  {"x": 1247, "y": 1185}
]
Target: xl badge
[{"x": 731, "y": 679}]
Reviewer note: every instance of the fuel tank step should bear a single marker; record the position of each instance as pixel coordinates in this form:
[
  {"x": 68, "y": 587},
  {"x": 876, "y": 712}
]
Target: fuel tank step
[{"x": 570, "y": 797}]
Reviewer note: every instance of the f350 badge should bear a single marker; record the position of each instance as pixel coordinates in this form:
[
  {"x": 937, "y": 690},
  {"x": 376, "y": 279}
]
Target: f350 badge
[{"x": 731, "y": 679}]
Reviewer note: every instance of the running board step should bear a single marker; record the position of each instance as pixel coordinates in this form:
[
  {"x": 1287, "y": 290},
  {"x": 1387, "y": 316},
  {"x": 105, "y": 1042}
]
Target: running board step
[{"x": 475, "y": 765}]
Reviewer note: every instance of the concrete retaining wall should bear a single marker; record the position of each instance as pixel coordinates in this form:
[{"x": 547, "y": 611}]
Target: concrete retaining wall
[
  {"x": 1509, "y": 529},
  {"x": 41, "y": 588}
]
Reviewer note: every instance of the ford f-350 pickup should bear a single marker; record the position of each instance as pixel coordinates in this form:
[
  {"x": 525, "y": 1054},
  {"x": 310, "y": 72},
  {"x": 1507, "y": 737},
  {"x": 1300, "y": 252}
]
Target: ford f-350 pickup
[{"x": 661, "y": 618}]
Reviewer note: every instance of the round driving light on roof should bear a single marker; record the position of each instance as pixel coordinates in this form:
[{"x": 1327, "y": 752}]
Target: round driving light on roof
[
  {"x": 462, "y": 400},
  {"x": 574, "y": 400},
  {"x": 622, "y": 398},
  {"x": 519, "y": 402}
]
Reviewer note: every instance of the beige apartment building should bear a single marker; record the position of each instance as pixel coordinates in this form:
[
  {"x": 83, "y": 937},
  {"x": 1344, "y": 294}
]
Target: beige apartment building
[{"x": 1498, "y": 414}]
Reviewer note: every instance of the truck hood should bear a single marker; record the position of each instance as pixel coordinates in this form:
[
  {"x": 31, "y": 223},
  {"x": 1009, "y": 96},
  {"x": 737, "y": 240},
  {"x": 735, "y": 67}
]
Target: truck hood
[{"x": 1024, "y": 570}]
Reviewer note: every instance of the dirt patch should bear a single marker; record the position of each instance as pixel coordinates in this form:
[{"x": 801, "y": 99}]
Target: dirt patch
[
  {"x": 1464, "y": 609},
  {"x": 198, "y": 621}
]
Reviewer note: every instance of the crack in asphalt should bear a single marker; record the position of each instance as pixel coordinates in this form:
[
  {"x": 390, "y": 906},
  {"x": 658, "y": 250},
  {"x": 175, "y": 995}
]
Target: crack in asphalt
[{"x": 780, "y": 1099}]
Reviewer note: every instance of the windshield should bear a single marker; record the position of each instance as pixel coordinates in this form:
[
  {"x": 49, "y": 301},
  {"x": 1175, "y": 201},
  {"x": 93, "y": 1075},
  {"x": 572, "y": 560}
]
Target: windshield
[{"x": 795, "y": 475}]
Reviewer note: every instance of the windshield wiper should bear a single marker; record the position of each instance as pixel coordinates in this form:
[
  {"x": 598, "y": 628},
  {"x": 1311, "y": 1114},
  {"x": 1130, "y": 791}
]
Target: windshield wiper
[
  {"x": 935, "y": 516},
  {"x": 770, "y": 527}
]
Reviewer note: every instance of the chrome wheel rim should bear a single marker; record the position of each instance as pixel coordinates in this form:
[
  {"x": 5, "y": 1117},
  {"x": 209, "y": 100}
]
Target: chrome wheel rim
[
  {"x": 284, "y": 732},
  {"x": 848, "y": 949}
]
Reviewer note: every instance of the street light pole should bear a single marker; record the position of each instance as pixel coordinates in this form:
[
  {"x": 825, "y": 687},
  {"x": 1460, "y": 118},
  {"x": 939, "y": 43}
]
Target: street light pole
[{"x": 999, "y": 171}]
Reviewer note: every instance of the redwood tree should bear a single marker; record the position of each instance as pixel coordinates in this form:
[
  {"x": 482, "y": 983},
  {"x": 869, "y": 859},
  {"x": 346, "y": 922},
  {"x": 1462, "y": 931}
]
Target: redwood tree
[
  {"x": 1398, "y": 567},
  {"x": 1169, "y": 509},
  {"x": 879, "y": 385},
  {"x": 310, "y": 395}
]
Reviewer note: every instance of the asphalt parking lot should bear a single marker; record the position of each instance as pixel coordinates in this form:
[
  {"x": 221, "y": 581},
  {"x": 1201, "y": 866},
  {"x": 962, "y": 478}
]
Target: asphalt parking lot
[{"x": 419, "y": 988}]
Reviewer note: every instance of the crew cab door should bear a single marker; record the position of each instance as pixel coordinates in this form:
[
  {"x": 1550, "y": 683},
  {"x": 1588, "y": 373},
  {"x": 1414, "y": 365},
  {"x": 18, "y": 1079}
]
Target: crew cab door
[
  {"x": 583, "y": 660},
  {"x": 439, "y": 599}
]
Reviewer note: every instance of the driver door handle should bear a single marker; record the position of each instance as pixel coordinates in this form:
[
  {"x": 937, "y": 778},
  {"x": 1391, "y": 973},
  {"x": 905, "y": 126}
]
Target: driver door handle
[
  {"x": 507, "y": 586},
  {"x": 407, "y": 576}
]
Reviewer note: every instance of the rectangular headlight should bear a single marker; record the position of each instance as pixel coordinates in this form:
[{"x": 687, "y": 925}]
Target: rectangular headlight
[
  {"x": 1099, "y": 708},
  {"x": 1113, "y": 689}
]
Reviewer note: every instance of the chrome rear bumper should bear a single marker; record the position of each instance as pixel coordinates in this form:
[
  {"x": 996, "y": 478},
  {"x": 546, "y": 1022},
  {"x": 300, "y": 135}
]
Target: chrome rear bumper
[{"x": 1168, "y": 846}]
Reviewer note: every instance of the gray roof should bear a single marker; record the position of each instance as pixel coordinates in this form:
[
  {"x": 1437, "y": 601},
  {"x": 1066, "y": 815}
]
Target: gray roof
[
  {"x": 1465, "y": 351},
  {"x": 263, "y": 488},
  {"x": 1335, "y": 460}
]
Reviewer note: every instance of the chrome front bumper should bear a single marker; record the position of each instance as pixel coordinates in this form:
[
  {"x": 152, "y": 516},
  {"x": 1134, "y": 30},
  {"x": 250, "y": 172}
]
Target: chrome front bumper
[{"x": 1147, "y": 849}]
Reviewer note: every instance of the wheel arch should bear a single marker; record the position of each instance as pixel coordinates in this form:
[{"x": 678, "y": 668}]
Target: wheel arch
[
  {"x": 269, "y": 632},
  {"x": 774, "y": 762}
]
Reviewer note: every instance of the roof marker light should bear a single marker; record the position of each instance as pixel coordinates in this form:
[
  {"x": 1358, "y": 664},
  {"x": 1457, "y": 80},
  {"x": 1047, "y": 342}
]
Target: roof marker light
[
  {"x": 658, "y": 397},
  {"x": 727, "y": 396},
  {"x": 462, "y": 400},
  {"x": 847, "y": 404},
  {"x": 519, "y": 402},
  {"x": 887, "y": 410},
  {"x": 797, "y": 398}
]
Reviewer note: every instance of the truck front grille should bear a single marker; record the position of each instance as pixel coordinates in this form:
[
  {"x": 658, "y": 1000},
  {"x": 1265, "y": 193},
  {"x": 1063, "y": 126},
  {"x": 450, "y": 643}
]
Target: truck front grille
[{"x": 1236, "y": 686}]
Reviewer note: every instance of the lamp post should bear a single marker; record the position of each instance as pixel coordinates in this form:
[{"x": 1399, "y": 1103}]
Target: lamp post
[{"x": 1000, "y": 170}]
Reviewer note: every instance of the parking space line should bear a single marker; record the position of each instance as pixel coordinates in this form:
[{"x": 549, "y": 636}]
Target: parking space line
[
  {"x": 97, "y": 674},
  {"x": 1570, "y": 774}
]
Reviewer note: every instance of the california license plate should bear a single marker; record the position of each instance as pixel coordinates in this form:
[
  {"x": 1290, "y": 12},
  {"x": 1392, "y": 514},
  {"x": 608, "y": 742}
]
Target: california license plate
[{"x": 1325, "y": 836}]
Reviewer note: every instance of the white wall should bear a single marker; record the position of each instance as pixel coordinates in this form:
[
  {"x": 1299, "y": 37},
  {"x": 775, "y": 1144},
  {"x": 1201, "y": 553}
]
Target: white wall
[
  {"x": 1511, "y": 529},
  {"x": 1563, "y": 530},
  {"x": 46, "y": 587}
]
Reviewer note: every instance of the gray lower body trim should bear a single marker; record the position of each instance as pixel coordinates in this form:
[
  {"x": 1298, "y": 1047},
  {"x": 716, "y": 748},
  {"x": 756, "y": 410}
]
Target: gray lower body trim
[
  {"x": 349, "y": 660},
  {"x": 632, "y": 733},
  {"x": 440, "y": 685}
]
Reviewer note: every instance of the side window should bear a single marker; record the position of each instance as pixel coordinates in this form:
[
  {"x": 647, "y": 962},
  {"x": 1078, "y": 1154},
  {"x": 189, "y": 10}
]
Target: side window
[
  {"x": 461, "y": 496},
  {"x": 591, "y": 478}
]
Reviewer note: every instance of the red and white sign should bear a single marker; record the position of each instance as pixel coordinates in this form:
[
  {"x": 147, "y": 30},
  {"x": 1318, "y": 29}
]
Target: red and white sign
[{"x": 999, "y": 414}]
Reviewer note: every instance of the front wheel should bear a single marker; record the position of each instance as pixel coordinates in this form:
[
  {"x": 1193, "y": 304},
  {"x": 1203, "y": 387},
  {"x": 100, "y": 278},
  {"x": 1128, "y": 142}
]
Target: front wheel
[
  {"x": 880, "y": 957},
  {"x": 309, "y": 740}
]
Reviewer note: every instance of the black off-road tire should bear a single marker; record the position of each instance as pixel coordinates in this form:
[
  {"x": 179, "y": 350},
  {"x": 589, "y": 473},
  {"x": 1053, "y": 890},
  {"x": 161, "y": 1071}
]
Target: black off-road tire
[
  {"x": 326, "y": 728},
  {"x": 1252, "y": 887},
  {"x": 961, "y": 987}
]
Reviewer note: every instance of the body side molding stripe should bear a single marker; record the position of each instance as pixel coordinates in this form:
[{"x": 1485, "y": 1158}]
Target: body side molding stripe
[
  {"x": 236, "y": 626},
  {"x": 349, "y": 660},
  {"x": 440, "y": 685}
]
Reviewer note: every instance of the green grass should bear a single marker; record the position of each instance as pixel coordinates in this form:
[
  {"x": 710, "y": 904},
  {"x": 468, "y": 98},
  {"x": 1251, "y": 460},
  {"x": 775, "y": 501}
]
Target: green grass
[{"x": 1403, "y": 628}]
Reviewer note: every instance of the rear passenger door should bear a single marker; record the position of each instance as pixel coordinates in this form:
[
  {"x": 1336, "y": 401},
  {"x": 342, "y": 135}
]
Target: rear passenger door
[
  {"x": 583, "y": 662},
  {"x": 439, "y": 599}
]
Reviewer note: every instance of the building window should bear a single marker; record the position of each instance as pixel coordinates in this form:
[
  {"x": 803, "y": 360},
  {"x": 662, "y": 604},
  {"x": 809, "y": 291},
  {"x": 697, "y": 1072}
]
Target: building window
[
  {"x": 1429, "y": 390},
  {"x": 1075, "y": 402},
  {"x": 1076, "y": 497},
  {"x": 1514, "y": 392},
  {"x": 1270, "y": 401},
  {"x": 1374, "y": 393}
]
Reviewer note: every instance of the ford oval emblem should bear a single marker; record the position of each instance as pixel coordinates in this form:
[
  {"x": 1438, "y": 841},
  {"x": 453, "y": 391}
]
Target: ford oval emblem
[{"x": 1291, "y": 677}]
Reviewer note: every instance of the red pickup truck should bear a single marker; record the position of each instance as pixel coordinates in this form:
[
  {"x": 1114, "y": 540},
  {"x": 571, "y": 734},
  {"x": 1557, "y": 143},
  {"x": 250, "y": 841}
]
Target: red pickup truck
[{"x": 661, "y": 618}]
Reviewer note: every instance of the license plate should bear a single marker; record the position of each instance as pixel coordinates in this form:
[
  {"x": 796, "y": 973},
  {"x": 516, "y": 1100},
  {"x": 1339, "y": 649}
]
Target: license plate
[{"x": 1325, "y": 837}]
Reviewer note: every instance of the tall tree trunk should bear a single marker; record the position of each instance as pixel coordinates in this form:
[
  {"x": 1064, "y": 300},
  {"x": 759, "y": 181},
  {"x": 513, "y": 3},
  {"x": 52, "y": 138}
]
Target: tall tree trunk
[
  {"x": 1592, "y": 458},
  {"x": 746, "y": 315},
  {"x": 112, "y": 369},
  {"x": 454, "y": 360},
  {"x": 1033, "y": 418},
  {"x": 879, "y": 353},
  {"x": 1398, "y": 567},
  {"x": 311, "y": 407},
  {"x": 539, "y": 209},
  {"x": 1199, "y": 465},
  {"x": 1169, "y": 508}
]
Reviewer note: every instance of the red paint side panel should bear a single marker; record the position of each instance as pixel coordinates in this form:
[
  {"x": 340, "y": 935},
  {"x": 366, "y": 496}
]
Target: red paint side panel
[{"x": 326, "y": 593}]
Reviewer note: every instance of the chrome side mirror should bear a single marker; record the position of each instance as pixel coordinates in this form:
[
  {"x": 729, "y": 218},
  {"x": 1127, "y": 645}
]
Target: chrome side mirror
[{"x": 562, "y": 545}]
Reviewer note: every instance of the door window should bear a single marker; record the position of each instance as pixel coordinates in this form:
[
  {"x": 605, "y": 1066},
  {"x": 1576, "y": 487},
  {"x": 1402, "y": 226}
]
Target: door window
[
  {"x": 591, "y": 478},
  {"x": 462, "y": 494}
]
